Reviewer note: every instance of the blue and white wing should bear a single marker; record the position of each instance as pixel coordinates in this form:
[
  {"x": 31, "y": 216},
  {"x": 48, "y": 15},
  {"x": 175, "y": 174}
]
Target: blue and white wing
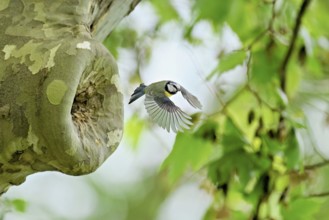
[
  {"x": 194, "y": 101},
  {"x": 166, "y": 114}
]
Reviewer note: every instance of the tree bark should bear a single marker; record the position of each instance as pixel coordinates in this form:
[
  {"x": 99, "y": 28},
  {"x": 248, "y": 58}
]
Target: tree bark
[{"x": 60, "y": 99}]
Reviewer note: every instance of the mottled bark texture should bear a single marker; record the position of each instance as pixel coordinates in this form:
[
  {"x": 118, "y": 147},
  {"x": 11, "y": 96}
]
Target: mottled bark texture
[{"x": 60, "y": 100}]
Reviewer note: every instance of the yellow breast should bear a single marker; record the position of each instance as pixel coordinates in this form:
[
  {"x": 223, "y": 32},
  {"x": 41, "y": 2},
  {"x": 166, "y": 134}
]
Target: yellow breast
[{"x": 168, "y": 94}]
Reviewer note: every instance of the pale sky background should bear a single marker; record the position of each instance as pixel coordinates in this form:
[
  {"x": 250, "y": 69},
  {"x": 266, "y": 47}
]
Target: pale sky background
[{"x": 174, "y": 59}]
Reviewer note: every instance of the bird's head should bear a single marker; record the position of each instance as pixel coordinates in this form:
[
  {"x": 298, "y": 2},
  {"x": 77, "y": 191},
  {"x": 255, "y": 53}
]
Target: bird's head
[{"x": 172, "y": 87}]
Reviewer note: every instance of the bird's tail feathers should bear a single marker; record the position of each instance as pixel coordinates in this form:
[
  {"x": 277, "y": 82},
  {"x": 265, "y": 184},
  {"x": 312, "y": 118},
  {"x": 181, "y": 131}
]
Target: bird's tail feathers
[{"x": 139, "y": 91}]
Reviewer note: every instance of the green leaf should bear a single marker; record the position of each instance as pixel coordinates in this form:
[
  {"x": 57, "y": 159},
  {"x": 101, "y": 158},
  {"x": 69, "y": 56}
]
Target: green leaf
[
  {"x": 294, "y": 77},
  {"x": 232, "y": 139},
  {"x": 19, "y": 204},
  {"x": 301, "y": 209},
  {"x": 239, "y": 111},
  {"x": 165, "y": 10},
  {"x": 120, "y": 38},
  {"x": 246, "y": 18},
  {"x": 249, "y": 18},
  {"x": 292, "y": 152},
  {"x": 215, "y": 11},
  {"x": 188, "y": 152},
  {"x": 228, "y": 62},
  {"x": 314, "y": 67},
  {"x": 264, "y": 67},
  {"x": 240, "y": 163},
  {"x": 265, "y": 77},
  {"x": 271, "y": 146},
  {"x": 316, "y": 18},
  {"x": 207, "y": 130}
]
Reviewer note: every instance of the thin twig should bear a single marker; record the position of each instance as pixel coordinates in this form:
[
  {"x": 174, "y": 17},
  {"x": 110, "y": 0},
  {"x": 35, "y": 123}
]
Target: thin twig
[
  {"x": 284, "y": 65},
  {"x": 317, "y": 165},
  {"x": 257, "y": 38},
  {"x": 269, "y": 28},
  {"x": 283, "y": 69},
  {"x": 323, "y": 194},
  {"x": 260, "y": 100}
]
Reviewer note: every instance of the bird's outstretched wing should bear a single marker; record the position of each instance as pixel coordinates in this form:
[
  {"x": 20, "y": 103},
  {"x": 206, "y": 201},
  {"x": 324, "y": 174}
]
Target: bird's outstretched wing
[
  {"x": 164, "y": 112},
  {"x": 190, "y": 98}
]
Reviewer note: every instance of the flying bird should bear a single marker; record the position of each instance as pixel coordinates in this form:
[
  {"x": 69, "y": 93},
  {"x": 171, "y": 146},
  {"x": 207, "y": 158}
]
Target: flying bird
[{"x": 161, "y": 109}]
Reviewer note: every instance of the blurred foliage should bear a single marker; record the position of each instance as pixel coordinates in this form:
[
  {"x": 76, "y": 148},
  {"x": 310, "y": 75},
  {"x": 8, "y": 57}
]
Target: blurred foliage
[
  {"x": 133, "y": 129},
  {"x": 250, "y": 146},
  {"x": 187, "y": 156},
  {"x": 228, "y": 62},
  {"x": 165, "y": 10},
  {"x": 142, "y": 201},
  {"x": 12, "y": 205},
  {"x": 249, "y": 151},
  {"x": 122, "y": 38}
]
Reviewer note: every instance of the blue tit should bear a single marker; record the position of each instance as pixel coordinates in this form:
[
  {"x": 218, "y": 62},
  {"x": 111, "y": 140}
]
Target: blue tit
[{"x": 161, "y": 109}]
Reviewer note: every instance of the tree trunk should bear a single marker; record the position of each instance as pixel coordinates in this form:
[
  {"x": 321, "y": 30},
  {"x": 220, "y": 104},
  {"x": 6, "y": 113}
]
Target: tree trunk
[{"x": 60, "y": 100}]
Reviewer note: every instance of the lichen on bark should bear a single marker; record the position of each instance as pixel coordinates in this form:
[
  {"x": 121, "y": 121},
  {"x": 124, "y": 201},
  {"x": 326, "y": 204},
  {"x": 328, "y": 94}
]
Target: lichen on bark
[{"x": 60, "y": 99}]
